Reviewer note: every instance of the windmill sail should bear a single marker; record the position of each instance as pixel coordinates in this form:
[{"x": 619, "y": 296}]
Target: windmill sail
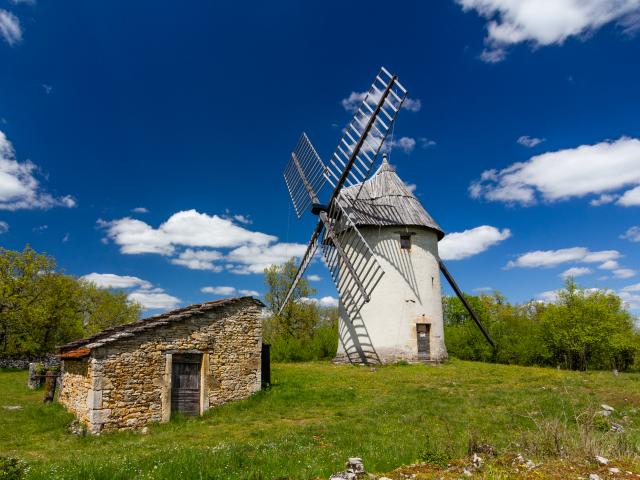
[
  {"x": 353, "y": 265},
  {"x": 360, "y": 144},
  {"x": 304, "y": 175}
]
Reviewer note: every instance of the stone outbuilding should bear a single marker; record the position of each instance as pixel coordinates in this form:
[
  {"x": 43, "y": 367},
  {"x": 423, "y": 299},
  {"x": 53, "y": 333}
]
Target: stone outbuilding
[{"x": 187, "y": 360}]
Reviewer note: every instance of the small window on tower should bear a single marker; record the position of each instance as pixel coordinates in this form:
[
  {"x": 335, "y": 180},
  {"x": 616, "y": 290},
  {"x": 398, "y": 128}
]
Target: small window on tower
[{"x": 405, "y": 241}]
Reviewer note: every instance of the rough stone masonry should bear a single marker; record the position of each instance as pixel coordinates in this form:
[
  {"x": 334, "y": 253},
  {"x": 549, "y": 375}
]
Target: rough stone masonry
[{"x": 121, "y": 378}]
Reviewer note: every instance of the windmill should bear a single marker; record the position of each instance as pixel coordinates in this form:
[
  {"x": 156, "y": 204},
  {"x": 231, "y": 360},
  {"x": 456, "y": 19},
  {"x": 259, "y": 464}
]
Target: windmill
[{"x": 365, "y": 230}]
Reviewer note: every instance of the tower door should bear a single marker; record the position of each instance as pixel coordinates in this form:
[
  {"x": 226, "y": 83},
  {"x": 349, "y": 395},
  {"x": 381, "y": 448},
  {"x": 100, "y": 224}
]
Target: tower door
[
  {"x": 185, "y": 383},
  {"x": 423, "y": 330}
]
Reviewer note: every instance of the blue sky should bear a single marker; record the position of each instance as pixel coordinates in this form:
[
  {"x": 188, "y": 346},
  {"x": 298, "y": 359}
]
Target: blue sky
[{"x": 145, "y": 142}]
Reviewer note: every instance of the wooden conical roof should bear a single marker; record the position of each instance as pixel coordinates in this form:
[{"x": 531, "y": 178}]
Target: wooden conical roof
[{"x": 385, "y": 200}]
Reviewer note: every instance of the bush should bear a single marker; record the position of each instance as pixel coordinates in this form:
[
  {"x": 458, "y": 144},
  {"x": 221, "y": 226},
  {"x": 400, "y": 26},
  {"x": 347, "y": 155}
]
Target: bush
[{"x": 12, "y": 468}]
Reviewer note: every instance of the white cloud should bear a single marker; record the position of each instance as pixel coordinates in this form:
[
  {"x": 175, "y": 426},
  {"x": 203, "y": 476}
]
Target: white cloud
[
  {"x": 243, "y": 219},
  {"x": 186, "y": 228},
  {"x": 154, "y": 299},
  {"x": 219, "y": 290},
  {"x": 530, "y": 142},
  {"x": 576, "y": 272},
  {"x": 459, "y": 245},
  {"x": 631, "y": 300},
  {"x": 550, "y": 296},
  {"x": 10, "y": 27},
  {"x": 4, "y": 227},
  {"x": 314, "y": 278},
  {"x": 406, "y": 144},
  {"x": 603, "y": 199},
  {"x": 227, "y": 291},
  {"x": 19, "y": 188},
  {"x": 609, "y": 265},
  {"x": 26, "y": 2},
  {"x": 633, "y": 234},
  {"x": 47, "y": 88},
  {"x": 327, "y": 301},
  {"x": 254, "y": 259},
  {"x": 411, "y": 187},
  {"x": 150, "y": 297},
  {"x": 427, "y": 142},
  {"x": 632, "y": 288},
  {"x": 630, "y": 198},
  {"x": 624, "y": 273},
  {"x": 111, "y": 280},
  {"x": 353, "y": 101},
  {"x": 140, "y": 210},
  {"x": 547, "y": 22},
  {"x": 552, "y": 258},
  {"x": 560, "y": 175},
  {"x": 199, "y": 259}
]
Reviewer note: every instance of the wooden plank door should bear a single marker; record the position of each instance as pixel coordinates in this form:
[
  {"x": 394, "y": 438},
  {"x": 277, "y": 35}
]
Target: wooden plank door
[
  {"x": 424, "y": 348},
  {"x": 185, "y": 383}
]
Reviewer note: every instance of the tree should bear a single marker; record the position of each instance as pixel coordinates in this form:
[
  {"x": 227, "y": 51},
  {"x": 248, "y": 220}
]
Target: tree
[
  {"x": 41, "y": 308},
  {"x": 303, "y": 331}
]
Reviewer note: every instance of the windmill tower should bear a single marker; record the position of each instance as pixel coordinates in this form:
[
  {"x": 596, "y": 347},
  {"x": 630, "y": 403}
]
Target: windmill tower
[
  {"x": 375, "y": 236},
  {"x": 403, "y": 318}
]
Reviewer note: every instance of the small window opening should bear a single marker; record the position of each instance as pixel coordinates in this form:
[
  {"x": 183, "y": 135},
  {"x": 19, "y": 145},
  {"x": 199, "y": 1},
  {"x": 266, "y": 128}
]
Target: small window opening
[{"x": 405, "y": 241}]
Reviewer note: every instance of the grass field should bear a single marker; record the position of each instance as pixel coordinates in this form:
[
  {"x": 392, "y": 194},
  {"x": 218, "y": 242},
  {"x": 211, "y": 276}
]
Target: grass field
[{"x": 316, "y": 415}]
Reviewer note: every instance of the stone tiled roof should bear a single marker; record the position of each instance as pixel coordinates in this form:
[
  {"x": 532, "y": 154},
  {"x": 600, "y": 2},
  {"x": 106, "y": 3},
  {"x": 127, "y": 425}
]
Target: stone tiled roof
[
  {"x": 81, "y": 348},
  {"x": 384, "y": 200}
]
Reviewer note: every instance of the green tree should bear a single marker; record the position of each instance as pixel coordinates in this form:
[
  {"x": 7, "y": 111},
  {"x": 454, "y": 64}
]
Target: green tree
[{"x": 303, "y": 331}]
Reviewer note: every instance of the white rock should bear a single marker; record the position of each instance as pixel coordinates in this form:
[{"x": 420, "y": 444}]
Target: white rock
[
  {"x": 594, "y": 476},
  {"x": 602, "y": 460},
  {"x": 614, "y": 470},
  {"x": 466, "y": 472},
  {"x": 607, "y": 408}
]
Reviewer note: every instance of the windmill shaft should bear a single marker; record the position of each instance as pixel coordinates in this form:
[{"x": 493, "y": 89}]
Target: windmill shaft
[
  {"x": 356, "y": 150},
  {"x": 466, "y": 304}
]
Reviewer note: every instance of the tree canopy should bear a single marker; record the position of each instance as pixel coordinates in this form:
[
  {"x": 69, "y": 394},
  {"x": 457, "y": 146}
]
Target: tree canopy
[{"x": 41, "y": 307}]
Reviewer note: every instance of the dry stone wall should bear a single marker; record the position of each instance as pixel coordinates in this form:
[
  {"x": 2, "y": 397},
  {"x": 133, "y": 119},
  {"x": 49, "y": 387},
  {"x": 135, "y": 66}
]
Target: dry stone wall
[
  {"x": 74, "y": 387},
  {"x": 130, "y": 379}
]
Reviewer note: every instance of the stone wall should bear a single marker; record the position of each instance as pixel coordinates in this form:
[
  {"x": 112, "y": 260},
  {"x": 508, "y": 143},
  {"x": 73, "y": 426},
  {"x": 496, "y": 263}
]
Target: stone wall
[
  {"x": 23, "y": 363},
  {"x": 75, "y": 384},
  {"x": 130, "y": 382}
]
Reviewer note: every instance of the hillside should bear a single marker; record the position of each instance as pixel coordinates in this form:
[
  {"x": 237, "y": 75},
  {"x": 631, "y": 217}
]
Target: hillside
[{"x": 316, "y": 415}]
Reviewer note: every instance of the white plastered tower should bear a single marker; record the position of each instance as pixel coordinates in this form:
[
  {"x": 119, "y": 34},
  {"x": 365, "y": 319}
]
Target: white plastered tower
[{"x": 403, "y": 319}]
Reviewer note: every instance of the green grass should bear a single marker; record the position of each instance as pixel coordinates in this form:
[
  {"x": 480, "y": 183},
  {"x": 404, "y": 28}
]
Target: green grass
[{"x": 316, "y": 415}]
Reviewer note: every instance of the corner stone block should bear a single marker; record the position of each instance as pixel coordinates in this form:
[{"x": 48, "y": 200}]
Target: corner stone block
[{"x": 97, "y": 417}]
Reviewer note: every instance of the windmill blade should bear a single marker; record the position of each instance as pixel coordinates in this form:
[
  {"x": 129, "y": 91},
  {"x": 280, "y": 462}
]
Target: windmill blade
[
  {"x": 353, "y": 265},
  {"x": 362, "y": 139},
  {"x": 304, "y": 263},
  {"x": 304, "y": 175},
  {"x": 466, "y": 304}
]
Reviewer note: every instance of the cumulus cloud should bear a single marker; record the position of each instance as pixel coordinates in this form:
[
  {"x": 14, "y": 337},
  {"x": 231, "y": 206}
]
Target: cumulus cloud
[
  {"x": 219, "y": 290},
  {"x": 140, "y": 210},
  {"x": 188, "y": 238},
  {"x": 530, "y": 142},
  {"x": 630, "y": 198},
  {"x": 353, "y": 101},
  {"x": 552, "y": 258},
  {"x": 150, "y": 297},
  {"x": 633, "y": 234},
  {"x": 624, "y": 273},
  {"x": 154, "y": 299},
  {"x": 227, "y": 291},
  {"x": 111, "y": 280},
  {"x": 406, "y": 144},
  {"x": 10, "y": 27},
  {"x": 199, "y": 259},
  {"x": 327, "y": 301},
  {"x": 427, "y": 142},
  {"x": 576, "y": 272},
  {"x": 547, "y": 22},
  {"x": 603, "y": 199},
  {"x": 186, "y": 228},
  {"x": 314, "y": 278},
  {"x": 575, "y": 172},
  {"x": 19, "y": 187},
  {"x": 459, "y": 245},
  {"x": 609, "y": 265},
  {"x": 4, "y": 227},
  {"x": 254, "y": 259}
]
